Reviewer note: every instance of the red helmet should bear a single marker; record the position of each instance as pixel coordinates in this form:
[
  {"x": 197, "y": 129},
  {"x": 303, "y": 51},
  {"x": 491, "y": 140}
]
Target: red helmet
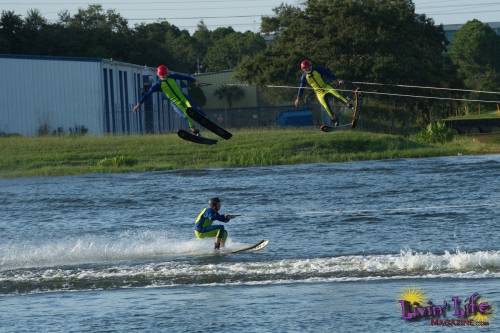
[
  {"x": 306, "y": 64},
  {"x": 162, "y": 70}
]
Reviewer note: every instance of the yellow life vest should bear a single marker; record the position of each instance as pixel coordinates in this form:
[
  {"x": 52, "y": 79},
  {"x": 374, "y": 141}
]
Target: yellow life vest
[{"x": 316, "y": 81}]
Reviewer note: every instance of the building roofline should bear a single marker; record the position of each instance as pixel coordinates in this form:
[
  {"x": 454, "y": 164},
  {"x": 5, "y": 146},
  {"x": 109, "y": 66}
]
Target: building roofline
[
  {"x": 63, "y": 58},
  {"x": 115, "y": 62}
]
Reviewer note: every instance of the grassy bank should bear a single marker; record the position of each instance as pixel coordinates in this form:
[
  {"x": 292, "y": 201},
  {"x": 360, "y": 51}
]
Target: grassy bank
[{"x": 76, "y": 155}]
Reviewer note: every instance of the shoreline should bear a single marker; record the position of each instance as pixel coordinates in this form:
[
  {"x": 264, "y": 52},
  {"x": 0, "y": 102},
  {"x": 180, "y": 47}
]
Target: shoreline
[{"x": 64, "y": 156}]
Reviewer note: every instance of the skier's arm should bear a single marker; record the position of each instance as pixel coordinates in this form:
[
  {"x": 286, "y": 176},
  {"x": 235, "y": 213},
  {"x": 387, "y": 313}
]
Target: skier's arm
[
  {"x": 213, "y": 215},
  {"x": 326, "y": 73},
  {"x": 301, "y": 90},
  {"x": 301, "y": 86},
  {"x": 154, "y": 88}
]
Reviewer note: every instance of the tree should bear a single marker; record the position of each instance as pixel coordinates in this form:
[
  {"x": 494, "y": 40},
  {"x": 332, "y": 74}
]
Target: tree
[
  {"x": 202, "y": 41},
  {"x": 230, "y": 94},
  {"x": 34, "y": 20},
  {"x": 147, "y": 47},
  {"x": 228, "y": 51},
  {"x": 96, "y": 32},
  {"x": 382, "y": 40},
  {"x": 11, "y": 26},
  {"x": 285, "y": 16},
  {"x": 476, "y": 53}
]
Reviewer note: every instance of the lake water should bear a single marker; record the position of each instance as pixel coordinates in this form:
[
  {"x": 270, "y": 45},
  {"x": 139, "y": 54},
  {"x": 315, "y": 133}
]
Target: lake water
[{"x": 116, "y": 252}]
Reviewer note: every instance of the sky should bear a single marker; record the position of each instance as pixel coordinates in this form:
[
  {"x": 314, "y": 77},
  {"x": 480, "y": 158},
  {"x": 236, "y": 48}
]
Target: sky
[{"x": 240, "y": 14}]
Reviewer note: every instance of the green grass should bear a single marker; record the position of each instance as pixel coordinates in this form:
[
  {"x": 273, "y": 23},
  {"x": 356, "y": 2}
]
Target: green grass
[{"x": 50, "y": 156}]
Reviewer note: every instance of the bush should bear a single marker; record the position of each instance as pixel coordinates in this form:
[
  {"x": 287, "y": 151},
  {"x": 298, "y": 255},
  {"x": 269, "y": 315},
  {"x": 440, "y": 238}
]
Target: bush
[
  {"x": 436, "y": 133},
  {"x": 117, "y": 161}
]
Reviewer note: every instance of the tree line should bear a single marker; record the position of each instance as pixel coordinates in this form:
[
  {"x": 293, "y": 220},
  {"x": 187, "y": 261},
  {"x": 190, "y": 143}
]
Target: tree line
[{"x": 95, "y": 32}]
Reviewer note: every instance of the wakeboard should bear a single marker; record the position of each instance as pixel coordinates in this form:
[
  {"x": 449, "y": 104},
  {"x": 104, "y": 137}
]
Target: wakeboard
[
  {"x": 251, "y": 248},
  {"x": 208, "y": 124},
  {"x": 195, "y": 138}
]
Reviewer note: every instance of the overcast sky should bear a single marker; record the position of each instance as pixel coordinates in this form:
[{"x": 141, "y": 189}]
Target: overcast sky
[{"x": 241, "y": 14}]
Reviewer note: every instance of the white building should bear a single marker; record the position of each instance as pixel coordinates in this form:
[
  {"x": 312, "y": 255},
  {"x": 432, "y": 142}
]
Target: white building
[{"x": 45, "y": 95}]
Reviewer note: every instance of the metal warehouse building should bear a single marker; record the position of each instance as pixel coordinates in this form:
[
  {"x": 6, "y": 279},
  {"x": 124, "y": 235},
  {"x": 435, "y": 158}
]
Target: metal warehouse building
[{"x": 45, "y": 95}]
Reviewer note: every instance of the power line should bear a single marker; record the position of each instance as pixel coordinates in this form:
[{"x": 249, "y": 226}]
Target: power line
[
  {"x": 262, "y": 15},
  {"x": 217, "y": 25},
  {"x": 214, "y": 25},
  {"x": 187, "y": 18},
  {"x": 468, "y": 12},
  {"x": 433, "y": 2},
  {"x": 466, "y": 5},
  {"x": 226, "y": 16},
  {"x": 171, "y": 9},
  {"x": 461, "y": 7},
  {"x": 191, "y": 18},
  {"x": 135, "y": 3}
]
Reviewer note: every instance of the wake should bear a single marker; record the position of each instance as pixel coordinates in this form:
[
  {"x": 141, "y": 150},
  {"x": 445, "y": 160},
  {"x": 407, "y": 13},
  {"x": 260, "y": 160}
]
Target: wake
[
  {"x": 127, "y": 246},
  {"x": 174, "y": 273}
]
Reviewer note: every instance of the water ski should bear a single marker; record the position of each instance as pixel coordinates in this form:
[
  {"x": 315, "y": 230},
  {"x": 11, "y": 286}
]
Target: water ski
[
  {"x": 195, "y": 138},
  {"x": 251, "y": 248},
  {"x": 354, "y": 119},
  {"x": 326, "y": 128},
  {"x": 357, "y": 108},
  {"x": 208, "y": 124}
]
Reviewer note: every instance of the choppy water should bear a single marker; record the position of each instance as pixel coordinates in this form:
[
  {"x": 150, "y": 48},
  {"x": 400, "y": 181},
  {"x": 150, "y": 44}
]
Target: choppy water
[{"x": 116, "y": 252}]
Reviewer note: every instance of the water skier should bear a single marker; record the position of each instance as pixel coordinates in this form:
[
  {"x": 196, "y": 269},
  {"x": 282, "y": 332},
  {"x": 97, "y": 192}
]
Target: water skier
[
  {"x": 316, "y": 76},
  {"x": 203, "y": 227},
  {"x": 168, "y": 85}
]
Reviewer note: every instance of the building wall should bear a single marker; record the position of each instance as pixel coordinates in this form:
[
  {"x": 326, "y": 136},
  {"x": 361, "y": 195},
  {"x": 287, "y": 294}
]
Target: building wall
[
  {"x": 49, "y": 95},
  {"x": 46, "y": 95},
  {"x": 122, "y": 85}
]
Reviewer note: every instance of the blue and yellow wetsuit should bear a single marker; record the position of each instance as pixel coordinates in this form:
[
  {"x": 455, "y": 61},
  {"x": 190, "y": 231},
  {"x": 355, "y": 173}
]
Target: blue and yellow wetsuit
[
  {"x": 203, "y": 227},
  {"x": 173, "y": 92},
  {"x": 316, "y": 79}
]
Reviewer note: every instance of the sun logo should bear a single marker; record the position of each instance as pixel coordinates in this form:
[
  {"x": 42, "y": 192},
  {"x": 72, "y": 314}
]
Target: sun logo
[
  {"x": 414, "y": 296},
  {"x": 482, "y": 317}
]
